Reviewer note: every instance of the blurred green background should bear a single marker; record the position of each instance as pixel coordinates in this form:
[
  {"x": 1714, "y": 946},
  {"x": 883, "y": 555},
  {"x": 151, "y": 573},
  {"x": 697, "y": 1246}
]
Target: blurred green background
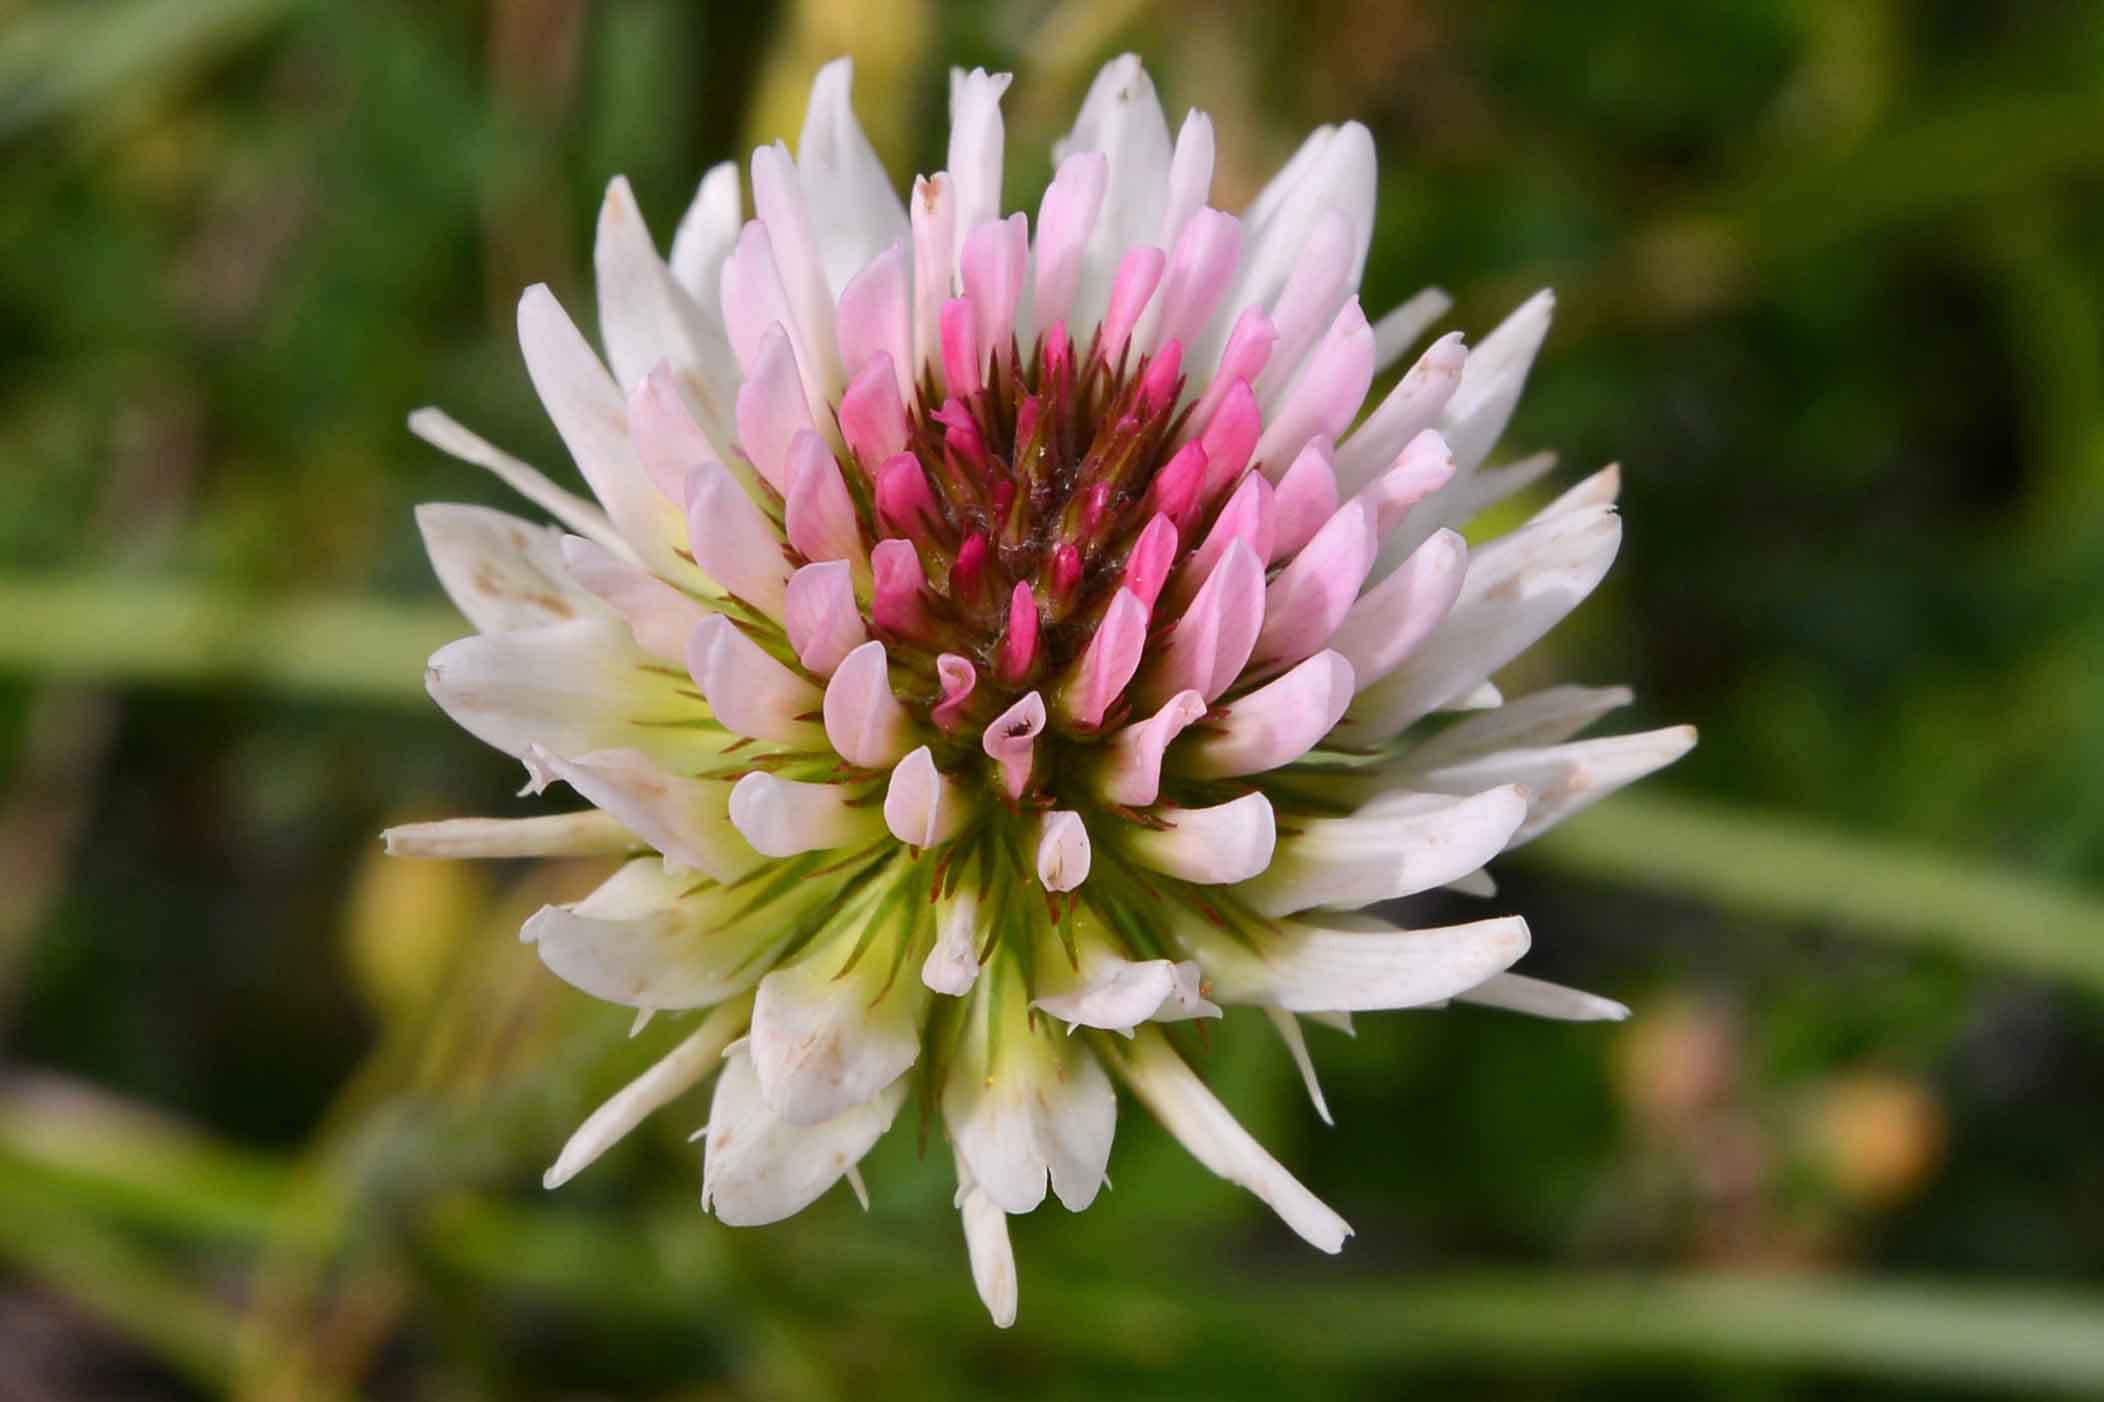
[{"x": 273, "y": 1110}]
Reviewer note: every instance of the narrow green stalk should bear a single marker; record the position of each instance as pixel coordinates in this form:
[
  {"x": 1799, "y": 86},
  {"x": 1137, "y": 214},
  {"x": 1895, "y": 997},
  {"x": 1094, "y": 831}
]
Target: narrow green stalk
[
  {"x": 1789, "y": 869},
  {"x": 115, "y": 629}
]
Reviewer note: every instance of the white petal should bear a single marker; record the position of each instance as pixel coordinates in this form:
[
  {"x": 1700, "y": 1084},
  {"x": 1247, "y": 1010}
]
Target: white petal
[
  {"x": 591, "y": 414},
  {"x": 1352, "y": 963},
  {"x": 1564, "y": 779},
  {"x": 784, "y": 817},
  {"x": 855, "y": 209},
  {"x": 826, "y": 1039},
  {"x": 670, "y": 1077},
  {"x": 649, "y": 938},
  {"x": 986, "y": 1242},
  {"x": 953, "y": 963},
  {"x": 1517, "y": 588},
  {"x": 1546, "y": 717},
  {"x": 758, "y": 1168},
  {"x": 1118, "y": 995},
  {"x": 587, "y": 834},
  {"x": 571, "y": 688},
  {"x": 1121, "y": 117},
  {"x": 1214, "y": 846},
  {"x": 1388, "y": 849},
  {"x": 686, "y": 819},
  {"x": 1205, "y": 1128},
  {"x": 922, "y": 807},
  {"x": 1520, "y": 994},
  {"x": 1492, "y": 380},
  {"x": 977, "y": 139},
  {"x": 864, "y": 722},
  {"x": 1023, "y": 1105},
  {"x": 1288, "y": 1027},
  {"x": 440, "y": 430},
  {"x": 645, "y": 317},
  {"x": 501, "y": 572},
  {"x": 1062, "y": 851},
  {"x": 706, "y": 234},
  {"x": 1398, "y": 328}
]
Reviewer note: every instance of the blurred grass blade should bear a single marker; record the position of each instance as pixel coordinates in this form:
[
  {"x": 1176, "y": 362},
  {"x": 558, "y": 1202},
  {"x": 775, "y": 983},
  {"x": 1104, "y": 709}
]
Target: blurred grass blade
[
  {"x": 145, "y": 630},
  {"x": 50, "y": 1237},
  {"x": 65, "y": 61},
  {"x": 1793, "y": 870}
]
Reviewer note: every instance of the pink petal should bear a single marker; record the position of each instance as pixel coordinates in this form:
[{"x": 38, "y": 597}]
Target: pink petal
[
  {"x": 895, "y": 603},
  {"x": 1423, "y": 468},
  {"x": 921, "y": 806},
  {"x": 733, "y": 541},
  {"x": 753, "y": 297},
  {"x": 1310, "y": 597},
  {"x": 1198, "y": 272},
  {"x": 958, "y": 678},
  {"x": 1307, "y": 497},
  {"x": 1018, "y": 651},
  {"x": 1062, "y": 851},
  {"x": 1213, "y": 639},
  {"x": 659, "y": 615},
  {"x": 963, "y": 358},
  {"x": 819, "y": 514},
  {"x": 1178, "y": 487},
  {"x": 905, "y": 502},
  {"x": 934, "y": 211},
  {"x": 1147, "y": 567},
  {"x": 771, "y": 408},
  {"x": 1248, "y": 350},
  {"x": 1065, "y": 219},
  {"x": 667, "y": 439},
  {"x": 1313, "y": 292},
  {"x": 995, "y": 261},
  {"x": 1011, "y": 741},
  {"x": 875, "y": 318},
  {"x": 865, "y": 723},
  {"x": 1411, "y": 407},
  {"x": 1327, "y": 393},
  {"x": 1250, "y": 515},
  {"x": 819, "y": 614},
  {"x": 1229, "y": 439},
  {"x": 1388, "y": 622},
  {"x": 750, "y": 692},
  {"x": 1130, "y": 771},
  {"x": 1139, "y": 273},
  {"x": 1275, "y": 724},
  {"x": 1113, "y": 655},
  {"x": 872, "y": 416}
]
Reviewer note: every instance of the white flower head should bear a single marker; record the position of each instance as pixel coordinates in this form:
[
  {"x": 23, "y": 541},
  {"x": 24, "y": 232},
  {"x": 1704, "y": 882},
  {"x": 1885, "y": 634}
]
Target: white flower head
[{"x": 993, "y": 638}]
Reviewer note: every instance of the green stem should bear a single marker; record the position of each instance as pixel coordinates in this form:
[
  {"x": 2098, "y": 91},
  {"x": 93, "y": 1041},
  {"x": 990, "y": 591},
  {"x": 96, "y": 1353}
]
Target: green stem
[
  {"x": 1790, "y": 869},
  {"x": 176, "y": 633}
]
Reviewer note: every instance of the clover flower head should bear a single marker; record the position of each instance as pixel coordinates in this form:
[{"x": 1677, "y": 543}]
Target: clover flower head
[{"x": 989, "y": 631}]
